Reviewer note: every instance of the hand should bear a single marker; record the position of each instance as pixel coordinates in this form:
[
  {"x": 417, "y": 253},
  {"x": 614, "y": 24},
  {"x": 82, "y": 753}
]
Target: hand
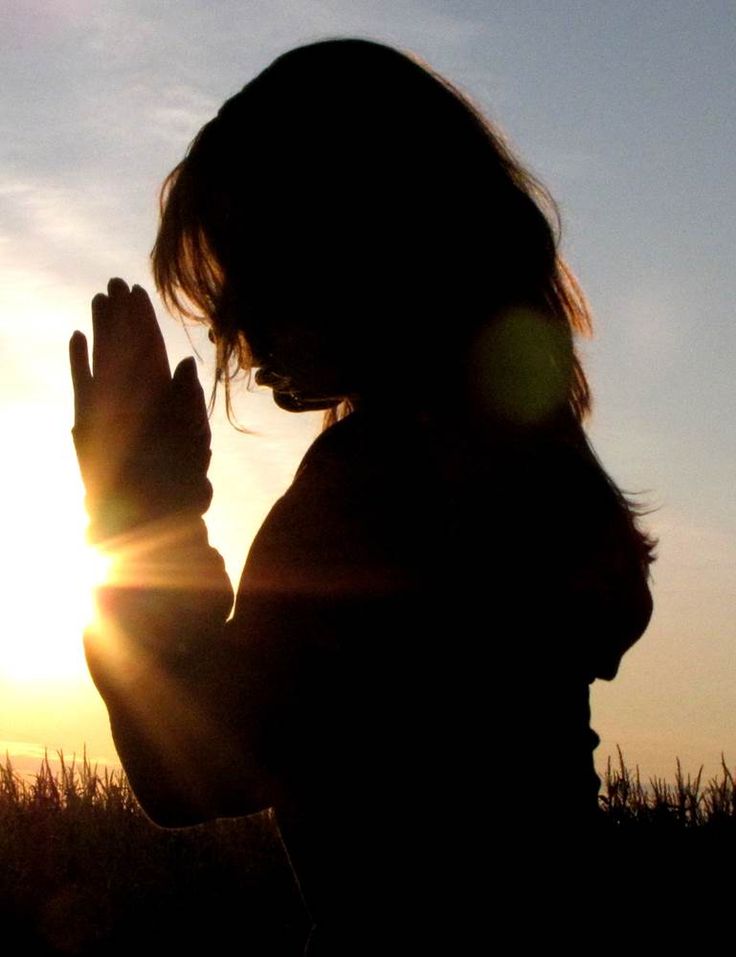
[{"x": 142, "y": 436}]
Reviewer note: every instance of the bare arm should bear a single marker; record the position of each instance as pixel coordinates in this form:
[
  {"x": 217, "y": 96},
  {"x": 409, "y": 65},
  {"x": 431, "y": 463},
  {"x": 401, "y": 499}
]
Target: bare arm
[{"x": 159, "y": 652}]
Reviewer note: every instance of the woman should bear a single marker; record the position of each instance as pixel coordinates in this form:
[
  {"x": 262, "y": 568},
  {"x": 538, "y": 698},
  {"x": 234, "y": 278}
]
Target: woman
[{"x": 405, "y": 675}]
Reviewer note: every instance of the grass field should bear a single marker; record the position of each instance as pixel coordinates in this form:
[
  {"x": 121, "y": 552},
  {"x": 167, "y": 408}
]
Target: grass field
[{"x": 83, "y": 871}]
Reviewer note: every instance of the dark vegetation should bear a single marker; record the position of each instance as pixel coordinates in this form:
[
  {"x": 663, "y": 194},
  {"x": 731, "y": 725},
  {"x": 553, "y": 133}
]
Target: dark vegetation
[
  {"x": 687, "y": 805},
  {"x": 83, "y": 871}
]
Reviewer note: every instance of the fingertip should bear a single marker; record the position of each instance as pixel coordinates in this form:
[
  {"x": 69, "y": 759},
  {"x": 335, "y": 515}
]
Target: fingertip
[
  {"x": 117, "y": 286},
  {"x": 77, "y": 343},
  {"x": 186, "y": 370},
  {"x": 79, "y": 362}
]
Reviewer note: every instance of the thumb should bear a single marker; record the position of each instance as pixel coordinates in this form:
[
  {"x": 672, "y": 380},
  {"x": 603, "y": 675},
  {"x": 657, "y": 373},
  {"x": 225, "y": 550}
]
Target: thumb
[
  {"x": 81, "y": 375},
  {"x": 186, "y": 370},
  {"x": 190, "y": 408}
]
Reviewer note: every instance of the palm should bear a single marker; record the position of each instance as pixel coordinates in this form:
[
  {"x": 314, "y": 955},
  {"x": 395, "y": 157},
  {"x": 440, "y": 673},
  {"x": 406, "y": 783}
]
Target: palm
[{"x": 142, "y": 437}]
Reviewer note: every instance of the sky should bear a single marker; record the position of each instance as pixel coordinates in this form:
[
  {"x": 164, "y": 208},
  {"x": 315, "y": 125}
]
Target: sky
[{"x": 625, "y": 111}]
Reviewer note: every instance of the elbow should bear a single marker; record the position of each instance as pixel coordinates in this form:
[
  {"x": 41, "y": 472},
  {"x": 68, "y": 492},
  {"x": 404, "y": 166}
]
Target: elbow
[
  {"x": 182, "y": 805},
  {"x": 178, "y": 813},
  {"x": 172, "y": 815},
  {"x": 190, "y": 791},
  {"x": 184, "y": 763},
  {"x": 165, "y": 802}
]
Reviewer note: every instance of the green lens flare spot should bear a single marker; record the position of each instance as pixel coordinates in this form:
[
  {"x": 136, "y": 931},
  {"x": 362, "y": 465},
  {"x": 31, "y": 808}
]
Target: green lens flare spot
[{"x": 521, "y": 366}]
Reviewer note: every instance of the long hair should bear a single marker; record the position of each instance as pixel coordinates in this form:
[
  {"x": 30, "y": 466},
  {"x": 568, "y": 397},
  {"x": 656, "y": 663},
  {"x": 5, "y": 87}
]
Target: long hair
[
  {"x": 352, "y": 177},
  {"x": 363, "y": 155}
]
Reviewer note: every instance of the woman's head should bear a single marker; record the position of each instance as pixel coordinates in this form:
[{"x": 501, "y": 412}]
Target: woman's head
[{"x": 350, "y": 223}]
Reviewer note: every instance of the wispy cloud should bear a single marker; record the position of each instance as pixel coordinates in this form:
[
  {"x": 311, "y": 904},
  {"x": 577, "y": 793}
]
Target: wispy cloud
[{"x": 53, "y": 238}]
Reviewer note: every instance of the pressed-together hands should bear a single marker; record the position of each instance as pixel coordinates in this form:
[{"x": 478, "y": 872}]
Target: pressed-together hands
[{"x": 142, "y": 436}]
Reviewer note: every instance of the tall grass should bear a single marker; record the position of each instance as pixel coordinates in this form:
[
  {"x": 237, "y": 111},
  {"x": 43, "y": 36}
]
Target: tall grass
[
  {"x": 83, "y": 871},
  {"x": 686, "y": 804},
  {"x": 73, "y": 786}
]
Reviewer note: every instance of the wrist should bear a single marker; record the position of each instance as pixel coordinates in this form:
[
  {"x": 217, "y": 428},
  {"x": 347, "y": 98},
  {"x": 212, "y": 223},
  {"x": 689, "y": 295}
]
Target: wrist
[{"x": 168, "y": 592}]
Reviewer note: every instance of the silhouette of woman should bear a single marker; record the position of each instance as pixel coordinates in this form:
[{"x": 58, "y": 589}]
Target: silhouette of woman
[{"x": 405, "y": 675}]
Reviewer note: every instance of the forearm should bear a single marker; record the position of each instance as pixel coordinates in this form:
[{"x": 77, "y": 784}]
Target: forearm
[
  {"x": 158, "y": 654},
  {"x": 168, "y": 594}
]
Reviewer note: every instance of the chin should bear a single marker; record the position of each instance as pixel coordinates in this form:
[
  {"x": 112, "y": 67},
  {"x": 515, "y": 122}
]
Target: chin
[{"x": 296, "y": 403}]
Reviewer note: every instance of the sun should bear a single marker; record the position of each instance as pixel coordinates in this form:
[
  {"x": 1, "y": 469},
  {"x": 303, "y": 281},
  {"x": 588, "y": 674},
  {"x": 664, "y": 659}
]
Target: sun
[
  {"x": 46, "y": 614},
  {"x": 48, "y": 571}
]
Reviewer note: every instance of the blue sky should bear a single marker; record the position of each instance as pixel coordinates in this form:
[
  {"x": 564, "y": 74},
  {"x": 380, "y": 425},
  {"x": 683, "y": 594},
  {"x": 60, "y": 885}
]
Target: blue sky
[{"x": 625, "y": 110}]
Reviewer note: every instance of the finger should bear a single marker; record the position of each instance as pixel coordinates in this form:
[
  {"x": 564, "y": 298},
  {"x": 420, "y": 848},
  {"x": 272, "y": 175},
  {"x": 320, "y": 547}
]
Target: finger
[
  {"x": 148, "y": 332},
  {"x": 117, "y": 287},
  {"x": 185, "y": 371},
  {"x": 187, "y": 385},
  {"x": 116, "y": 317},
  {"x": 129, "y": 349},
  {"x": 101, "y": 345},
  {"x": 190, "y": 407},
  {"x": 81, "y": 374},
  {"x": 119, "y": 315}
]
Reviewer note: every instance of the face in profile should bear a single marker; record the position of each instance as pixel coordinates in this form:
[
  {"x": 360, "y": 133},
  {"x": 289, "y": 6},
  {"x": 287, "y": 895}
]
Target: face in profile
[
  {"x": 303, "y": 369},
  {"x": 305, "y": 331}
]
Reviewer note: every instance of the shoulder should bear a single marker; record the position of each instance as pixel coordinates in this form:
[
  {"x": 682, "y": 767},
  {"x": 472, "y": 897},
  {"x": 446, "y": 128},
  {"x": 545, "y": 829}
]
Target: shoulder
[{"x": 343, "y": 524}]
